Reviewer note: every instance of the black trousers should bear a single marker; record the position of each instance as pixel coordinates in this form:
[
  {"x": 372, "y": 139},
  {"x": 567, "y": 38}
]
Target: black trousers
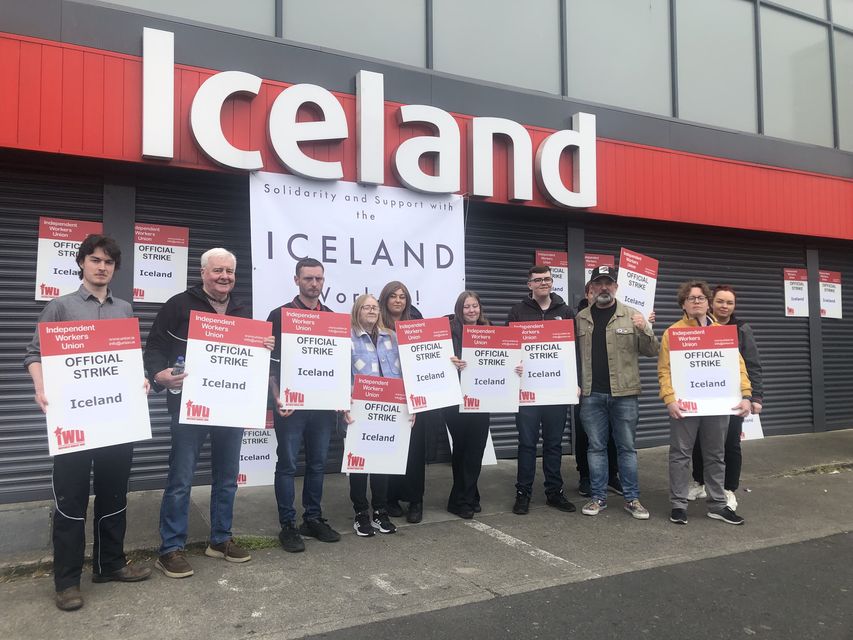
[
  {"x": 582, "y": 445},
  {"x": 469, "y": 431},
  {"x": 733, "y": 457},
  {"x": 71, "y": 471},
  {"x": 378, "y": 491},
  {"x": 410, "y": 487}
]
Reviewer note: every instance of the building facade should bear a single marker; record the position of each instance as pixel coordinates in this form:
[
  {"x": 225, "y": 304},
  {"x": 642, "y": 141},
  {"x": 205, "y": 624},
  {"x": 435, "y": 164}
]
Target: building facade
[{"x": 723, "y": 140}]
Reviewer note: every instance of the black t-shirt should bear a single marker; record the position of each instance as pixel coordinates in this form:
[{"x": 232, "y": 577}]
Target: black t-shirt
[{"x": 600, "y": 366}]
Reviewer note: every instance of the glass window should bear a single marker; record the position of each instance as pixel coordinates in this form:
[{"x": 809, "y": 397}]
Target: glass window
[
  {"x": 842, "y": 13},
  {"x": 506, "y": 41},
  {"x": 718, "y": 89},
  {"x": 844, "y": 83},
  {"x": 257, "y": 16},
  {"x": 812, "y": 7},
  {"x": 795, "y": 68},
  {"x": 385, "y": 29},
  {"x": 618, "y": 53}
]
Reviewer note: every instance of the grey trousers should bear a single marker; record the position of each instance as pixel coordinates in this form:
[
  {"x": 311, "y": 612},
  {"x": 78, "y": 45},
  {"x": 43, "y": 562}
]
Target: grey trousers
[{"x": 711, "y": 431}]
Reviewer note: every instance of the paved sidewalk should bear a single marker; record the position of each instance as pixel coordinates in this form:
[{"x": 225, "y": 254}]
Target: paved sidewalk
[{"x": 441, "y": 562}]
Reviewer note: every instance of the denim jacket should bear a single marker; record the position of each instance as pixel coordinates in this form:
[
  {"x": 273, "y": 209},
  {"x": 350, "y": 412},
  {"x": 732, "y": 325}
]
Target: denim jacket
[{"x": 383, "y": 359}]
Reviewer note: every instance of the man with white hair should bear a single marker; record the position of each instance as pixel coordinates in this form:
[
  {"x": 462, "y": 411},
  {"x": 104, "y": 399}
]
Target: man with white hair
[{"x": 167, "y": 341}]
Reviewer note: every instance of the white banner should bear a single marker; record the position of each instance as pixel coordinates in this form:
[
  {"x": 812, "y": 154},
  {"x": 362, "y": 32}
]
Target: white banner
[
  {"x": 316, "y": 360},
  {"x": 796, "y": 292},
  {"x": 94, "y": 384},
  {"x": 378, "y": 439},
  {"x": 365, "y": 237},
  {"x": 830, "y": 294},
  {"x": 228, "y": 371},
  {"x": 258, "y": 456},
  {"x": 489, "y": 381},
  {"x": 550, "y": 363},
  {"x": 752, "y": 429},
  {"x": 57, "y": 272},
  {"x": 431, "y": 378},
  {"x": 637, "y": 280},
  {"x": 160, "y": 255},
  {"x": 705, "y": 369},
  {"x": 558, "y": 261}
]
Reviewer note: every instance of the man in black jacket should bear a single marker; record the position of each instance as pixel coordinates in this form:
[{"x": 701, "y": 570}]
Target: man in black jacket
[
  {"x": 540, "y": 304},
  {"x": 166, "y": 341}
]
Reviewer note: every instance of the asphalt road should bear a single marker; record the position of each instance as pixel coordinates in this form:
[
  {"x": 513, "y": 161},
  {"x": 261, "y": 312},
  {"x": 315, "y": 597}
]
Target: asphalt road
[{"x": 797, "y": 591}]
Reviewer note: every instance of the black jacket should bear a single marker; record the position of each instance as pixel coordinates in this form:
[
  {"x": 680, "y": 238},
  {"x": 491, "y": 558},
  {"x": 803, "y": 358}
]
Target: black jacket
[
  {"x": 275, "y": 318},
  {"x": 749, "y": 351},
  {"x": 168, "y": 336},
  {"x": 529, "y": 310}
]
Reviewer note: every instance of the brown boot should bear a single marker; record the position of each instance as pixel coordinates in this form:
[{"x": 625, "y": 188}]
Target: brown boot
[
  {"x": 69, "y": 599},
  {"x": 128, "y": 573}
]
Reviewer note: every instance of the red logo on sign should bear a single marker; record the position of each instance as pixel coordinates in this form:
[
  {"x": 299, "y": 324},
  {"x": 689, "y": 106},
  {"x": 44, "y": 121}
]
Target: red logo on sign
[
  {"x": 197, "y": 412},
  {"x": 823, "y": 312},
  {"x": 470, "y": 403},
  {"x": 355, "y": 462},
  {"x": 527, "y": 396},
  {"x": 48, "y": 292},
  {"x": 418, "y": 402},
  {"x": 241, "y": 478},
  {"x": 69, "y": 438},
  {"x": 138, "y": 293},
  {"x": 791, "y": 310},
  {"x": 687, "y": 406},
  {"x": 293, "y": 398}
]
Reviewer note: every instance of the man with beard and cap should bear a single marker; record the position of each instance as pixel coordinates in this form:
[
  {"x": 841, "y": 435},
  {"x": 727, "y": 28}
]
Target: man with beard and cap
[
  {"x": 611, "y": 337},
  {"x": 550, "y": 420}
]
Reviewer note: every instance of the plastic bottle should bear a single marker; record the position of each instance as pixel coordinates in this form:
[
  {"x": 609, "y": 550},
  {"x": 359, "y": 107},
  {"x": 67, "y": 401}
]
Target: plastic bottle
[{"x": 178, "y": 369}]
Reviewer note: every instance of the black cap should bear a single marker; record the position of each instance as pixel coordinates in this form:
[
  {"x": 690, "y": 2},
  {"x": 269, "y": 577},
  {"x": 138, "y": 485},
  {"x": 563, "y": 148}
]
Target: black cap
[{"x": 603, "y": 271}]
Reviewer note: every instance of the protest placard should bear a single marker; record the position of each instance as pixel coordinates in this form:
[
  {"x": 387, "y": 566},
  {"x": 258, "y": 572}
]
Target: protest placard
[
  {"x": 57, "y": 272},
  {"x": 258, "y": 455},
  {"x": 550, "y": 363},
  {"x": 637, "y": 280},
  {"x": 796, "y": 292},
  {"x": 489, "y": 381},
  {"x": 830, "y": 294},
  {"x": 160, "y": 255},
  {"x": 558, "y": 262},
  {"x": 593, "y": 260},
  {"x": 425, "y": 351}
]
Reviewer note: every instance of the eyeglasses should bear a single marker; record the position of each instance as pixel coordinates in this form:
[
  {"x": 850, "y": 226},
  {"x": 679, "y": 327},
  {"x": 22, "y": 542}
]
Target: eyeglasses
[
  {"x": 370, "y": 307},
  {"x": 697, "y": 299},
  {"x": 541, "y": 280}
]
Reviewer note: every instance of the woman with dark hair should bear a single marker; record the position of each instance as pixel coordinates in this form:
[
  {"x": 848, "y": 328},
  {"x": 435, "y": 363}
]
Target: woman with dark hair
[
  {"x": 723, "y": 302},
  {"x": 395, "y": 304}
]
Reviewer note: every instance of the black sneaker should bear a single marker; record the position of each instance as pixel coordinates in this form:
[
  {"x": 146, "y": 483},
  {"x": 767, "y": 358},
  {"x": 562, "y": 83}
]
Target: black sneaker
[
  {"x": 477, "y": 507},
  {"x": 394, "y": 509},
  {"x": 678, "y": 516},
  {"x": 584, "y": 488},
  {"x": 726, "y": 515},
  {"x": 362, "y": 525},
  {"x": 522, "y": 504},
  {"x": 615, "y": 486},
  {"x": 464, "y": 512},
  {"x": 416, "y": 512},
  {"x": 290, "y": 539},
  {"x": 319, "y": 530},
  {"x": 382, "y": 522},
  {"x": 559, "y": 501}
]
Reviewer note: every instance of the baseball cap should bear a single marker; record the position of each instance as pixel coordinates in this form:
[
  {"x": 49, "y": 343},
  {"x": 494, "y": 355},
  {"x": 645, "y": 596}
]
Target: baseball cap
[{"x": 603, "y": 271}]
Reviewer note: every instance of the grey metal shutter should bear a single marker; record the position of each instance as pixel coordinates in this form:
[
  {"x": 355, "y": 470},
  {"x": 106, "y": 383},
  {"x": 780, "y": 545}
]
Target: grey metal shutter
[
  {"x": 752, "y": 264},
  {"x": 838, "y": 342},
  {"x": 500, "y": 246},
  {"x": 26, "y": 194}
]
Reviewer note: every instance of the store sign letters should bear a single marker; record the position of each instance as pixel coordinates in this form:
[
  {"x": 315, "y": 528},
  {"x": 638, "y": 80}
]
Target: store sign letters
[{"x": 286, "y": 134}]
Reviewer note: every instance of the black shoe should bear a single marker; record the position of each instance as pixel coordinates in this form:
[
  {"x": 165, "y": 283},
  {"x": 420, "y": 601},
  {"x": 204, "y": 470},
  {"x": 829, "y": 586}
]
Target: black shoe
[
  {"x": 382, "y": 523},
  {"x": 559, "y": 501},
  {"x": 319, "y": 530},
  {"x": 522, "y": 504},
  {"x": 477, "y": 507},
  {"x": 416, "y": 512},
  {"x": 615, "y": 486},
  {"x": 290, "y": 539},
  {"x": 394, "y": 509},
  {"x": 726, "y": 515},
  {"x": 584, "y": 488},
  {"x": 69, "y": 599},
  {"x": 362, "y": 525},
  {"x": 678, "y": 516},
  {"x": 466, "y": 513}
]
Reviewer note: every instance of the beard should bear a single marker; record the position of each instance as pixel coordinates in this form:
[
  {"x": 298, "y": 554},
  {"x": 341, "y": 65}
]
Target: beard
[{"x": 604, "y": 299}]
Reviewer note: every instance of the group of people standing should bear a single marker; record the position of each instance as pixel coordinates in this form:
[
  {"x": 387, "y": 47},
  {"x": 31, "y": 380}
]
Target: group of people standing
[{"x": 610, "y": 338}]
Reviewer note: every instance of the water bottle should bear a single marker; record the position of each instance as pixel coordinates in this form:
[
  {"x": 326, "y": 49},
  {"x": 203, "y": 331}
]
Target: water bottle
[{"x": 177, "y": 369}]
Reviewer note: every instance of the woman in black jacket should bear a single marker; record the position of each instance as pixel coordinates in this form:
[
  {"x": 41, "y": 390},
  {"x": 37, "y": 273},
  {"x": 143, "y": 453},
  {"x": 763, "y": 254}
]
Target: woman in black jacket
[{"x": 723, "y": 299}]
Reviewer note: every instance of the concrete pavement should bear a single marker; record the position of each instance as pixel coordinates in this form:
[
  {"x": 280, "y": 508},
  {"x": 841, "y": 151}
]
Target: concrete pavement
[{"x": 794, "y": 488}]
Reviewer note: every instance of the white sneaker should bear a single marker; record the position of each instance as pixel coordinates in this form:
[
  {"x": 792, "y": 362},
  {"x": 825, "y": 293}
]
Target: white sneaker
[
  {"x": 696, "y": 491},
  {"x": 731, "y": 501}
]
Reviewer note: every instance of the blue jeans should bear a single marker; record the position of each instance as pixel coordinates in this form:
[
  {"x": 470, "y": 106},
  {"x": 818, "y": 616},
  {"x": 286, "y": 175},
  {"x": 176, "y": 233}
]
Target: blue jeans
[
  {"x": 602, "y": 414},
  {"x": 225, "y": 465},
  {"x": 314, "y": 428},
  {"x": 551, "y": 420}
]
